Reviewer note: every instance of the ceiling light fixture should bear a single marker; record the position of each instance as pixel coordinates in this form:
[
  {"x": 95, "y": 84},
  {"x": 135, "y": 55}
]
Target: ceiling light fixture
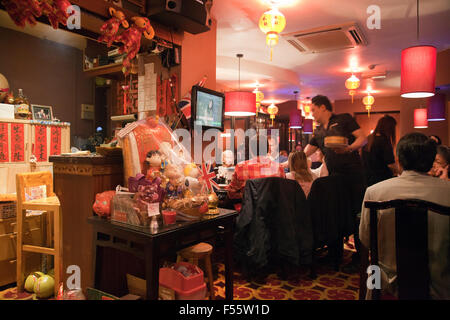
[
  {"x": 352, "y": 84},
  {"x": 272, "y": 110},
  {"x": 259, "y": 97},
  {"x": 418, "y": 69},
  {"x": 272, "y": 23},
  {"x": 240, "y": 103},
  {"x": 420, "y": 118},
  {"x": 295, "y": 117},
  {"x": 436, "y": 107},
  {"x": 368, "y": 102}
]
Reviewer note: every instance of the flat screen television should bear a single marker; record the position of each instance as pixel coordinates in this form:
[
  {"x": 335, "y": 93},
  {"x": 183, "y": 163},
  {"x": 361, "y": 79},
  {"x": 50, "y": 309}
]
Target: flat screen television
[{"x": 207, "y": 108}]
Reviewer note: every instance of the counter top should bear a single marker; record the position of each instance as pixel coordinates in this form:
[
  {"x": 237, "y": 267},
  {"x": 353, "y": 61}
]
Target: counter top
[{"x": 94, "y": 159}]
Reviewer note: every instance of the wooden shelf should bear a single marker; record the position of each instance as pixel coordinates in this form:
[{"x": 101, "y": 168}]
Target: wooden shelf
[{"x": 113, "y": 70}]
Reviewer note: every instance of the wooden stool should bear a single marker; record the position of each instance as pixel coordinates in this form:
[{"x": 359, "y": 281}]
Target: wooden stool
[
  {"x": 25, "y": 181},
  {"x": 193, "y": 254}
]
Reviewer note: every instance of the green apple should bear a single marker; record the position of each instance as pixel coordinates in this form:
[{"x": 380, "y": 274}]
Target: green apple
[
  {"x": 31, "y": 280},
  {"x": 44, "y": 287}
]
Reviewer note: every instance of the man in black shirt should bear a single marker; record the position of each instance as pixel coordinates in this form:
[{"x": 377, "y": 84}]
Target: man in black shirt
[{"x": 345, "y": 160}]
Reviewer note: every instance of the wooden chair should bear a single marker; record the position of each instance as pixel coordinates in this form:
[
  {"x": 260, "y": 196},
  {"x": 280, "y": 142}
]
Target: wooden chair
[
  {"x": 411, "y": 236},
  {"x": 200, "y": 251},
  {"x": 24, "y": 184}
]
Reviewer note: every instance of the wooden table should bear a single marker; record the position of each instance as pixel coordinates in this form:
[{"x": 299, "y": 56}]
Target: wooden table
[{"x": 140, "y": 242}]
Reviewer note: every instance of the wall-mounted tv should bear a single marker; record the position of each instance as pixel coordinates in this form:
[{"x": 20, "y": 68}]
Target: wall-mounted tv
[{"x": 207, "y": 108}]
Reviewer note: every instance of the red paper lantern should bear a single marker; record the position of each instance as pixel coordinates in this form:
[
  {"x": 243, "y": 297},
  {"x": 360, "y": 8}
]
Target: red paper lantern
[
  {"x": 420, "y": 118},
  {"x": 295, "y": 119},
  {"x": 240, "y": 103},
  {"x": 418, "y": 73},
  {"x": 308, "y": 126}
]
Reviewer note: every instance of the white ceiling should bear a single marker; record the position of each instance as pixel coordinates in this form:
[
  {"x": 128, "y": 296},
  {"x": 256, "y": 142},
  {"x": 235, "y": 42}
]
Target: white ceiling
[{"x": 322, "y": 73}]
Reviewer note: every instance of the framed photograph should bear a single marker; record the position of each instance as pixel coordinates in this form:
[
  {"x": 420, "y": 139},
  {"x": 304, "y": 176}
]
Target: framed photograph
[{"x": 42, "y": 112}]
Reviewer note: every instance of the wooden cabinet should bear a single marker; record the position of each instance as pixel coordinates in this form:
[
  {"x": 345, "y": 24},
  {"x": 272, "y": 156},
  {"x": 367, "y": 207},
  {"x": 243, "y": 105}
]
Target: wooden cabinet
[
  {"x": 76, "y": 182},
  {"x": 8, "y": 244},
  {"x": 19, "y": 141}
]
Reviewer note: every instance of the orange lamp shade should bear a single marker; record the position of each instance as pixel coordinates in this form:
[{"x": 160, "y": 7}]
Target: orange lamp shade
[
  {"x": 240, "y": 103},
  {"x": 272, "y": 109},
  {"x": 259, "y": 95},
  {"x": 418, "y": 72},
  {"x": 352, "y": 83},
  {"x": 420, "y": 118},
  {"x": 368, "y": 100},
  {"x": 272, "y": 21}
]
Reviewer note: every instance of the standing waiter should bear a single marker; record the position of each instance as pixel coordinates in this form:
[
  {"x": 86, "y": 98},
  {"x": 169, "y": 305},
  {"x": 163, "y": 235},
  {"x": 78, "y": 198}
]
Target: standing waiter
[{"x": 345, "y": 161}]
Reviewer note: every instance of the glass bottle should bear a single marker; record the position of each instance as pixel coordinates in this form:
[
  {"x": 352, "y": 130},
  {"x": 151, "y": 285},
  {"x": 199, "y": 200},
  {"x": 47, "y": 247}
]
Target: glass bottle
[{"x": 22, "y": 105}]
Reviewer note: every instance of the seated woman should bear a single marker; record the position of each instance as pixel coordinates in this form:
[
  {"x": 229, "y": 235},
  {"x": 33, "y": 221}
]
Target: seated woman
[
  {"x": 300, "y": 171},
  {"x": 441, "y": 163}
]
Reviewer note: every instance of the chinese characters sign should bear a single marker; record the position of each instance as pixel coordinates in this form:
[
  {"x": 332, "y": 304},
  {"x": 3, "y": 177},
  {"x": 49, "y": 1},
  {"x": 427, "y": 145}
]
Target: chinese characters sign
[
  {"x": 55, "y": 141},
  {"x": 17, "y": 142},
  {"x": 4, "y": 155},
  {"x": 40, "y": 141}
]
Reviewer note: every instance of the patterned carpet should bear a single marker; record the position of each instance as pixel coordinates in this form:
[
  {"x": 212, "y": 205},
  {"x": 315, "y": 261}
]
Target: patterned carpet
[{"x": 329, "y": 284}]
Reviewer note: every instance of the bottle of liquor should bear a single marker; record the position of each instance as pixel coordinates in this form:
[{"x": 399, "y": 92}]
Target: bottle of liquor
[{"x": 22, "y": 108}]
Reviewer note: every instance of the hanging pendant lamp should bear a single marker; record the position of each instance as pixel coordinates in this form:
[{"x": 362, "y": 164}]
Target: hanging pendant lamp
[
  {"x": 272, "y": 23},
  {"x": 368, "y": 101},
  {"x": 418, "y": 69},
  {"x": 352, "y": 84},
  {"x": 420, "y": 118},
  {"x": 436, "y": 107},
  {"x": 295, "y": 117},
  {"x": 240, "y": 103},
  {"x": 308, "y": 126},
  {"x": 272, "y": 110},
  {"x": 259, "y": 97}
]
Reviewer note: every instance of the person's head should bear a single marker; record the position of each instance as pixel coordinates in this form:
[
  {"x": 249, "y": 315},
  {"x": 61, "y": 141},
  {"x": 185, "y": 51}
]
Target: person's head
[
  {"x": 321, "y": 108},
  {"x": 259, "y": 145},
  {"x": 283, "y": 153},
  {"x": 386, "y": 125},
  {"x": 228, "y": 158},
  {"x": 298, "y": 164},
  {"x": 442, "y": 157},
  {"x": 298, "y": 147},
  {"x": 436, "y": 139},
  {"x": 416, "y": 152}
]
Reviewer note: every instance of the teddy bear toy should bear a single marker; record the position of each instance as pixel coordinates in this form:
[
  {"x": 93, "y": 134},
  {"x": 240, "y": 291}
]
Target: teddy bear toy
[{"x": 110, "y": 28}]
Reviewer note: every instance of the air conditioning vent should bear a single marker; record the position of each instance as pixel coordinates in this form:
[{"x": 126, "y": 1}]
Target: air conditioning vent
[
  {"x": 329, "y": 38},
  {"x": 297, "y": 46}
]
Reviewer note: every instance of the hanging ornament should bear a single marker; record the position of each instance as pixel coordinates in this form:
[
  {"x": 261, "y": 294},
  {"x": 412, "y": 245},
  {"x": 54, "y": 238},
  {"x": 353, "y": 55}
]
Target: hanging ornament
[
  {"x": 272, "y": 110},
  {"x": 368, "y": 102},
  {"x": 352, "y": 84},
  {"x": 272, "y": 23},
  {"x": 352, "y": 93},
  {"x": 259, "y": 98}
]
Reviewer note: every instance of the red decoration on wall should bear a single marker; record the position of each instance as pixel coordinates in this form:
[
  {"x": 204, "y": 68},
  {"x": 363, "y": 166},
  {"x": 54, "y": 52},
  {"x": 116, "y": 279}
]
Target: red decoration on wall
[
  {"x": 55, "y": 141},
  {"x": 17, "y": 142},
  {"x": 40, "y": 141},
  {"x": 4, "y": 153}
]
